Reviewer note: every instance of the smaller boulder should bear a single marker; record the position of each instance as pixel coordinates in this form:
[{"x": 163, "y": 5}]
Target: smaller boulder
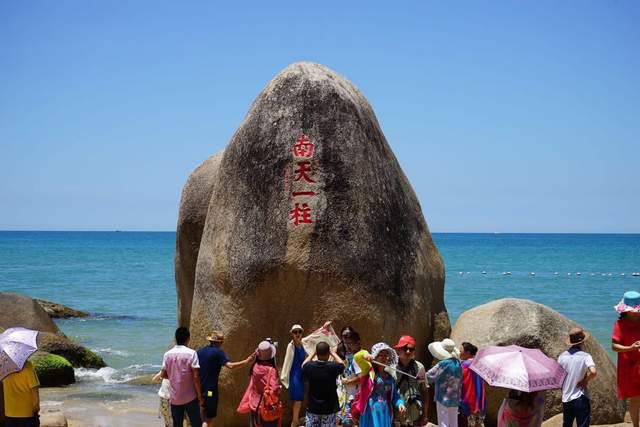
[
  {"x": 59, "y": 311},
  {"x": 52, "y": 370},
  {"x": 23, "y": 311},
  {"x": 532, "y": 325},
  {"x": 77, "y": 355}
]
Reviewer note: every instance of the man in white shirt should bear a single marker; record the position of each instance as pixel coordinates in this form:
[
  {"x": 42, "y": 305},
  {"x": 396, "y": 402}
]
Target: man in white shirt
[{"x": 580, "y": 370}]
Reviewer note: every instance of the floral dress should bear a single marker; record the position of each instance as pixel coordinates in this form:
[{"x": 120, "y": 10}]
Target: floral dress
[
  {"x": 379, "y": 412},
  {"x": 347, "y": 393},
  {"x": 447, "y": 377}
]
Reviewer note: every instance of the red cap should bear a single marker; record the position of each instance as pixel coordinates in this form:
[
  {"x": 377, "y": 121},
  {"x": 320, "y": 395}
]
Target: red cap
[{"x": 405, "y": 340}]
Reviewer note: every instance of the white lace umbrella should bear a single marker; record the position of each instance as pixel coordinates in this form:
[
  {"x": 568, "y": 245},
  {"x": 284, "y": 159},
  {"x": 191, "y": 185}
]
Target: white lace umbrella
[{"x": 16, "y": 345}]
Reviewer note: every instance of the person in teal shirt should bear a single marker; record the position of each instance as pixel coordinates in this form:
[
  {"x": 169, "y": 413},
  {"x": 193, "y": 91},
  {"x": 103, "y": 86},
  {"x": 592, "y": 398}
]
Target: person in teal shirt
[{"x": 446, "y": 376}]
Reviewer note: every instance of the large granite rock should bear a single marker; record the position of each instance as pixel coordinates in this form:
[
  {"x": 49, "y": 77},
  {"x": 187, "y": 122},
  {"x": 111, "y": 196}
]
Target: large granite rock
[
  {"x": 194, "y": 205},
  {"x": 532, "y": 325},
  {"x": 356, "y": 250},
  {"x": 23, "y": 311}
]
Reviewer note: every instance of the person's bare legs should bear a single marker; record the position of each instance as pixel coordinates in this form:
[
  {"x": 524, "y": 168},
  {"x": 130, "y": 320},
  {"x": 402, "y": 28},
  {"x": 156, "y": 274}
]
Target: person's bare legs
[
  {"x": 296, "y": 413},
  {"x": 634, "y": 410}
]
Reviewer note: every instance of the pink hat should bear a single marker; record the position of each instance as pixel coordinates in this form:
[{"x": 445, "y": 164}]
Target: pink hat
[{"x": 266, "y": 350}]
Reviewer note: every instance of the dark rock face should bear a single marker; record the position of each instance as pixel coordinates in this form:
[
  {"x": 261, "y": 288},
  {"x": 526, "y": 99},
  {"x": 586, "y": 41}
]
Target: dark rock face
[
  {"x": 310, "y": 218},
  {"x": 191, "y": 218},
  {"x": 59, "y": 311},
  {"x": 23, "y": 311},
  {"x": 532, "y": 325}
]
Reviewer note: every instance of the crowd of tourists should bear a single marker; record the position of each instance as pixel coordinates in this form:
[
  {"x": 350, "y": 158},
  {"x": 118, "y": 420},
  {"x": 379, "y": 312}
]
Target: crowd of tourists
[
  {"x": 385, "y": 386},
  {"x": 347, "y": 385}
]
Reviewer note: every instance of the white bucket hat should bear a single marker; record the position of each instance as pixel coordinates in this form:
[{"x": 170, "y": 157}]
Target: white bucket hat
[
  {"x": 445, "y": 349},
  {"x": 393, "y": 356}
]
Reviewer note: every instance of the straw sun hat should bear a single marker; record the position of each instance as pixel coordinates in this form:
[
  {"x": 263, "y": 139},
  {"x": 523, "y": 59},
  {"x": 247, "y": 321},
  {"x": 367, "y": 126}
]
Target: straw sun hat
[
  {"x": 445, "y": 349},
  {"x": 576, "y": 336},
  {"x": 216, "y": 336}
]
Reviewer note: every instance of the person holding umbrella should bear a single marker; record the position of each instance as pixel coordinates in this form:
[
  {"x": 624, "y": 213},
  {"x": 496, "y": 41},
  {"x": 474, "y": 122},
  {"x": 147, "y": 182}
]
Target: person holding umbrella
[
  {"x": 522, "y": 409},
  {"x": 19, "y": 380},
  {"x": 527, "y": 372}
]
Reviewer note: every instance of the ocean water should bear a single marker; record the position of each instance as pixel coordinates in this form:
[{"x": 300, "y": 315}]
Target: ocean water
[{"x": 126, "y": 281}]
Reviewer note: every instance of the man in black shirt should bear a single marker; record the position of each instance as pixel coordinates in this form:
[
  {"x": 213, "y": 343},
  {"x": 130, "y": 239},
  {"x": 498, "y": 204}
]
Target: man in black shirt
[
  {"x": 212, "y": 358},
  {"x": 321, "y": 375}
]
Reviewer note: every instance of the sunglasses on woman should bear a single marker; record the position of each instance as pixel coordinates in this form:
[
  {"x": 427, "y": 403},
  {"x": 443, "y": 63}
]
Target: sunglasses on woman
[{"x": 408, "y": 349}]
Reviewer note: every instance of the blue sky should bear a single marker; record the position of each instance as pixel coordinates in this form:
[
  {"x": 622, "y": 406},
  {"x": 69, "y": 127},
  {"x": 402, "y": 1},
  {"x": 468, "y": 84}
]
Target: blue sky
[{"x": 505, "y": 116}]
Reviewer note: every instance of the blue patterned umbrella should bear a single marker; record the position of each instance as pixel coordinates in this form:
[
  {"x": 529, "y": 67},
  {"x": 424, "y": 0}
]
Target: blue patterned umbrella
[{"x": 16, "y": 345}]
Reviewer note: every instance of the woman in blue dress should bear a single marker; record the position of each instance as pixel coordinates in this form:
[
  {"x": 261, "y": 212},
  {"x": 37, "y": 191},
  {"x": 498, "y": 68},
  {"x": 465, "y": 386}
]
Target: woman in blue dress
[
  {"x": 378, "y": 392},
  {"x": 291, "y": 376}
]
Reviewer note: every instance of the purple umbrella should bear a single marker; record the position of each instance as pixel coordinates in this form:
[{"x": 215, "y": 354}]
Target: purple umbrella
[
  {"x": 16, "y": 345},
  {"x": 518, "y": 368}
]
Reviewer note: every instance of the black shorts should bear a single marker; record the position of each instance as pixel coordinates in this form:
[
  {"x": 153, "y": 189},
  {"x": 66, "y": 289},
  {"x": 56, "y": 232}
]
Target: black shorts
[{"x": 211, "y": 405}]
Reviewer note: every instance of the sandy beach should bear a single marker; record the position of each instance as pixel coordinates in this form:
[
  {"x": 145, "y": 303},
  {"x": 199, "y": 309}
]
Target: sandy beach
[{"x": 85, "y": 405}]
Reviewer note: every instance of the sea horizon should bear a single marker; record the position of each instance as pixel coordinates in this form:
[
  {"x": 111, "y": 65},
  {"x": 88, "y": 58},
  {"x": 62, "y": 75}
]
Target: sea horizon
[{"x": 115, "y": 230}]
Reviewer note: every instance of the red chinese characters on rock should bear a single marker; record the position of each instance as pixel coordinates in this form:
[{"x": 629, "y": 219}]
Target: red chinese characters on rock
[
  {"x": 301, "y": 213},
  {"x": 301, "y": 172},
  {"x": 303, "y": 147}
]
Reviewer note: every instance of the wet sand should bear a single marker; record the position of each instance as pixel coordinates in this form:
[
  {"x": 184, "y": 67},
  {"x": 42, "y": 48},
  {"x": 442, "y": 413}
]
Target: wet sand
[{"x": 87, "y": 405}]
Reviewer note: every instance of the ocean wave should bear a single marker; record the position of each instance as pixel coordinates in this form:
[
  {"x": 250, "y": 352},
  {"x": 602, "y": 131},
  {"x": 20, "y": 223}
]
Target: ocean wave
[
  {"x": 103, "y": 316},
  {"x": 107, "y": 375},
  {"x": 111, "y": 351},
  {"x": 110, "y": 375}
]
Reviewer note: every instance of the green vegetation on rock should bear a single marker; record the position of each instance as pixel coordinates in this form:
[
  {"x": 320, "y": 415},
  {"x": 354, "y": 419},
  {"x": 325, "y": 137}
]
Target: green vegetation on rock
[
  {"x": 53, "y": 370},
  {"x": 88, "y": 359}
]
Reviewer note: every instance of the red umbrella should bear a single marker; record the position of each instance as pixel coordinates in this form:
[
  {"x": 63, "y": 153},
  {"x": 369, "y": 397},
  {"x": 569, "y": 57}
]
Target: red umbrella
[{"x": 518, "y": 368}]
